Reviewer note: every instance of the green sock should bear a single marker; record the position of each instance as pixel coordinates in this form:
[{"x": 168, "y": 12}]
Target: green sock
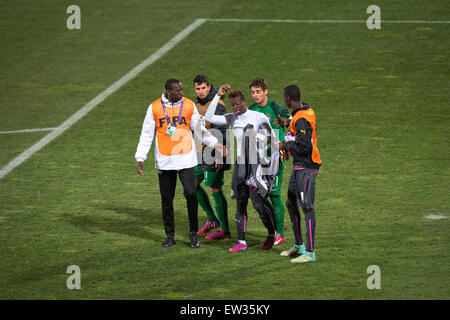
[
  {"x": 221, "y": 205},
  {"x": 278, "y": 212},
  {"x": 203, "y": 201}
]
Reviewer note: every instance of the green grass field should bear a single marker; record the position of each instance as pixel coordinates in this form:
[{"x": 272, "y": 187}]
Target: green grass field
[{"x": 381, "y": 99}]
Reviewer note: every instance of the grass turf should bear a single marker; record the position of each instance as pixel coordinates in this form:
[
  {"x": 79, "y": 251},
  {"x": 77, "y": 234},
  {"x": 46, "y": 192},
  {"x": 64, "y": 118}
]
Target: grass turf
[{"x": 381, "y": 100}]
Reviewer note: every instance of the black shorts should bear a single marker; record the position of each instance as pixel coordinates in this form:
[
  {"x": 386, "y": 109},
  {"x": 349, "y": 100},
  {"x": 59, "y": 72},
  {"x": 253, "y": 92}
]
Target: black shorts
[
  {"x": 240, "y": 190},
  {"x": 303, "y": 184}
]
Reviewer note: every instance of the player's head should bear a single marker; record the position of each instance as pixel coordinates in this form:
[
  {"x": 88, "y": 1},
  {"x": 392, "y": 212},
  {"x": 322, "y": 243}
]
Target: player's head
[
  {"x": 201, "y": 86},
  {"x": 292, "y": 95},
  {"x": 237, "y": 101},
  {"x": 174, "y": 90},
  {"x": 259, "y": 90}
]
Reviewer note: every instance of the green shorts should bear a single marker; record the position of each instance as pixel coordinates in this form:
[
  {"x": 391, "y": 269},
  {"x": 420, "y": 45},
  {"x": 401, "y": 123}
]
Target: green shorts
[
  {"x": 210, "y": 178},
  {"x": 276, "y": 188}
]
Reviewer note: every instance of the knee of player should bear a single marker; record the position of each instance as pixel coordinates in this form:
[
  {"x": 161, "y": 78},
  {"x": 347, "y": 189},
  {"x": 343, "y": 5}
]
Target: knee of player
[
  {"x": 257, "y": 204},
  {"x": 190, "y": 194},
  {"x": 198, "y": 182},
  {"x": 289, "y": 204}
]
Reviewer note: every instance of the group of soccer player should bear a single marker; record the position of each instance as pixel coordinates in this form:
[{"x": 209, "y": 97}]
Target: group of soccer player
[
  {"x": 260, "y": 135},
  {"x": 301, "y": 144}
]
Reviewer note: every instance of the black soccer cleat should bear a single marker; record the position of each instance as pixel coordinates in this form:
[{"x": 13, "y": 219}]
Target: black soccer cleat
[
  {"x": 170, "y": 240},
  {"x": 194, "y": 240}
]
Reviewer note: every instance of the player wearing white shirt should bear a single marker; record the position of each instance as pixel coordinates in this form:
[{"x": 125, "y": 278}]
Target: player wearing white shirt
[{"x": 238, "y": 121}]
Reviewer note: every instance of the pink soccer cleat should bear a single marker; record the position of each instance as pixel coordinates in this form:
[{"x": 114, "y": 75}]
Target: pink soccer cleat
[
  {"x": 279, "y": 240},
  {"x": 218, "y": 235},
  {"x": 208, "y": 227},
  {"x": 238, "y": 247}
]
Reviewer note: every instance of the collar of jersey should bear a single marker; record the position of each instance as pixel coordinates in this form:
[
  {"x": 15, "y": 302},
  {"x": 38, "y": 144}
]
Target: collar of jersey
[
  {"x": 304, "y": 106},
  {"x": 169, "y": 104}
]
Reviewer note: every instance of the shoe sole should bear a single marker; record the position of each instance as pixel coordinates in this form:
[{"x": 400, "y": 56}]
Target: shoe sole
[
  {"x": 288, "y": 254},
  {"x": 229, "y": 250},
  {"x": 167, "y": 246},
  {"x": 217, "y": 238},
  {"x": 312, "y": 260}
]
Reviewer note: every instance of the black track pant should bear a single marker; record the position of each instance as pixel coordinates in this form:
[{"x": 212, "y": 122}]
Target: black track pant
[
  {"x": 301, "y": 190},
  {"x": 265, "y": 214},
  {"x": 167, "y": 185}
]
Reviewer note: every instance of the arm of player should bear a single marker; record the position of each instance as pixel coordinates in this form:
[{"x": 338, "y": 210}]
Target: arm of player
[
  {"x": 145, "y": 140},
  {"x": 210, "y": 113},
  {"x": 282, "y": 116},
  {"x": 200, "y": 130},
  {"x": 282, "y": 121},
  {"x": 303, "y": 139},
  {"x": 281, "y": 111},
  {"x": 206, "y": 137}
]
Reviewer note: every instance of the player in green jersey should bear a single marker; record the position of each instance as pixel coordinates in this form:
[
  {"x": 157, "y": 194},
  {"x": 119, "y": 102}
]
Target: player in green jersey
[
  {"x": 211, "y": 175},
  {"x": 272, "y": 110}
]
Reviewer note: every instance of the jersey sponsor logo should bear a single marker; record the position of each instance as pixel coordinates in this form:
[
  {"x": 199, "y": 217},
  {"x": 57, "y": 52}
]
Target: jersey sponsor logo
[{"x": 174, "y": 120}]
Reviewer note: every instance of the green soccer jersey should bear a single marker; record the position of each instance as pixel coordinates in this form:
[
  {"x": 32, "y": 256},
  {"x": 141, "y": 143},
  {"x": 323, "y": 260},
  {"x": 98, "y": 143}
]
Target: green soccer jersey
[{"x": 272, "y": 110}]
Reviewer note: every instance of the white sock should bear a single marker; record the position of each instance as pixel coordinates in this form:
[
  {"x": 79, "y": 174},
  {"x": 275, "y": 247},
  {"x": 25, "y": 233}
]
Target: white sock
[{"x": 243, "y": 242}]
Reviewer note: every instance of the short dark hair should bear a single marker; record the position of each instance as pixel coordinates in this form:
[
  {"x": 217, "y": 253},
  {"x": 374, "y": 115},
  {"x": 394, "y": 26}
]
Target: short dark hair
[
  {"x": 170, "y": 82},
  {"x": 293, "y": 92},
  {"x": 201, "y": 78},
  {"x": 259, "y": 82},
  {"x": 235, "y": 94}
]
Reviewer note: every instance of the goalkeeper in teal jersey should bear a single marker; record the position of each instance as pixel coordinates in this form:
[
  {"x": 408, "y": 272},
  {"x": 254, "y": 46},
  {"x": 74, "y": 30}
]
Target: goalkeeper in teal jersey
[{"x": 272, "y": 110}]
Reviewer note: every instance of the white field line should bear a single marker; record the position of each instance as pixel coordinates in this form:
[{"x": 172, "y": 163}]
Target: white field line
[
  {"x": 28, "y": 130},
  {"x": 435, "y": 217},
  {"x": 328, "y": 21},
  {"x": 100, "y": 98}
]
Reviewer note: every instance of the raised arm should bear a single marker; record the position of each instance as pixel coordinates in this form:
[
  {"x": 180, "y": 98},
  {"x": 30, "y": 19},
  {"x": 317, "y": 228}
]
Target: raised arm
[{"x": 210, "y": 113}]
